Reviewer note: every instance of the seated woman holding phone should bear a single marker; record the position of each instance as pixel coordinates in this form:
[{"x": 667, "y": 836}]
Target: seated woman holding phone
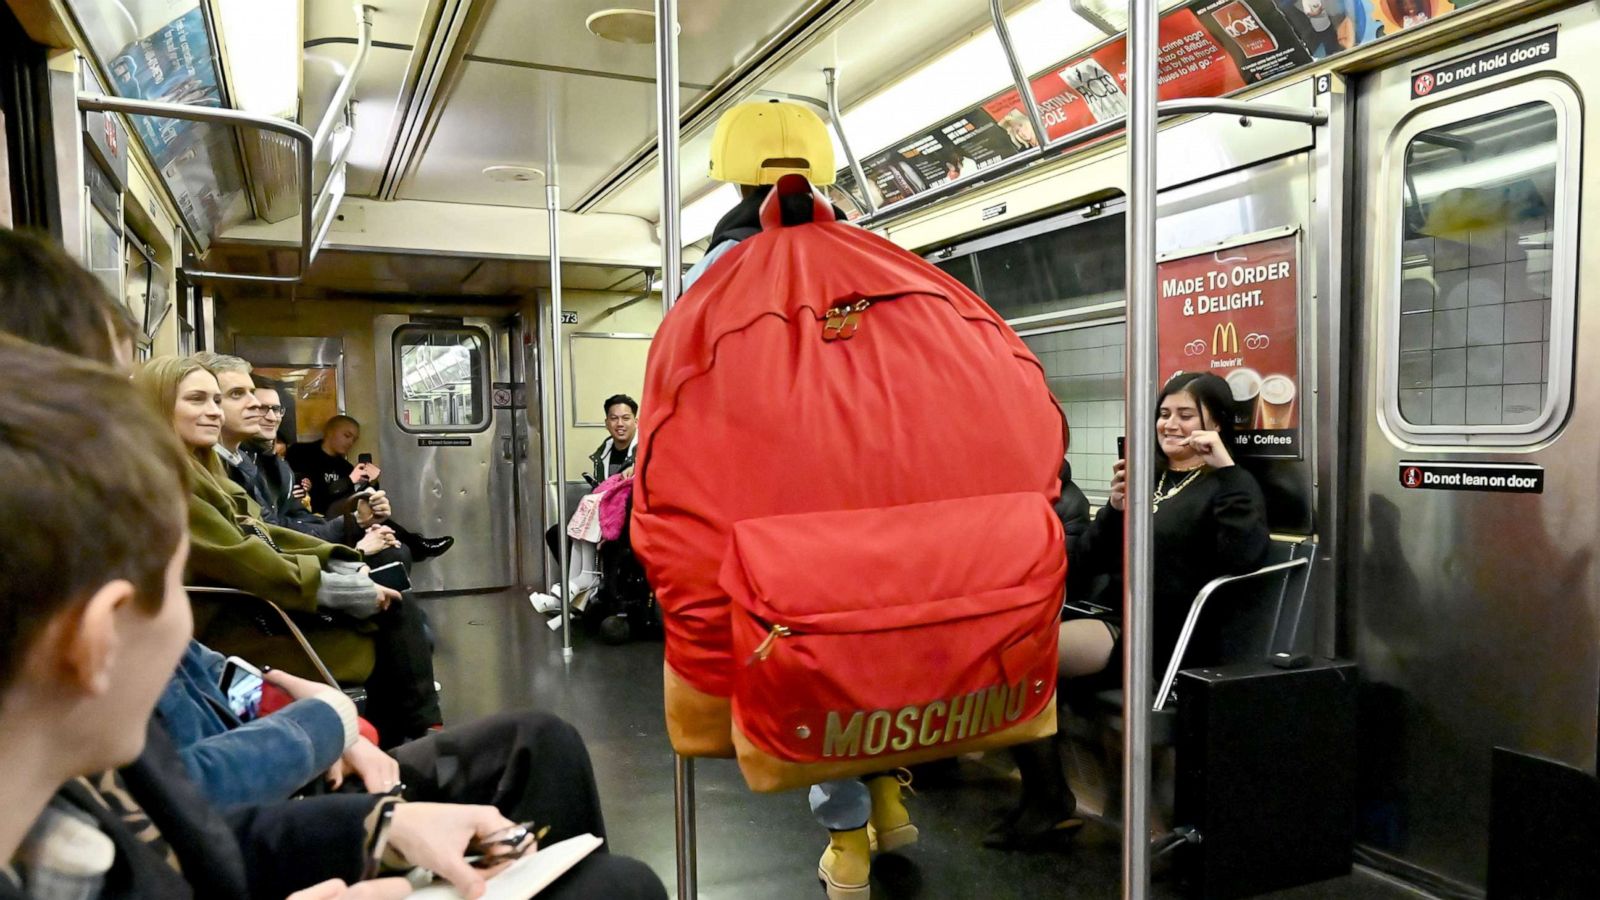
[
  {"x": 248, "y": 736},
  {"x": 336, "y": 486},
  {"x": 1209, "y": 521},
  {"x": 360, "y": 629}
]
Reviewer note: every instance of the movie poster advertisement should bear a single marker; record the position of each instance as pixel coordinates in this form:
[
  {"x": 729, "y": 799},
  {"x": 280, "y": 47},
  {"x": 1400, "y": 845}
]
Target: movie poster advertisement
[
  {"x": 175, "y": 64},
  {"x": 1235, "y": 313},
  {"x": 1207, "y": 48}
]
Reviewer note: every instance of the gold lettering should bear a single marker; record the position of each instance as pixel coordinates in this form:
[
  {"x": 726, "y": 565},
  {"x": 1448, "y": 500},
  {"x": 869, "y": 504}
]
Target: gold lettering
[
  {"x": 936, "y": 708},
  {"x": 907, "y": 728},
  {"x": 1019, "y": 700},
  {"x": 845, "y": 741},
  {"x": 878, "y": 717},
  {"x": 960, "y": 708},
  {"x": 975, "y": 717},
  {"x": 994, "y": 709}
]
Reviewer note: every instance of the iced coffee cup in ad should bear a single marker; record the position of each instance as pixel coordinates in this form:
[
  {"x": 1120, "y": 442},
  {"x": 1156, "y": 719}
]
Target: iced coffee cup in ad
[
  {"x": 1246, "y": 387},
  {"x": 1277, "y": 402}
]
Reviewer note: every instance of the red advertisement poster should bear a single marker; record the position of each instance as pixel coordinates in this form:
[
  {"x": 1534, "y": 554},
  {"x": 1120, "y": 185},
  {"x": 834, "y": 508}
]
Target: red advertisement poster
[
  {"x": 1208, "y": 48},
  {"x": 1262, "y": 42},
  {"x": 1235, "y": 313},
  {"x": 1094, "y": 87}
]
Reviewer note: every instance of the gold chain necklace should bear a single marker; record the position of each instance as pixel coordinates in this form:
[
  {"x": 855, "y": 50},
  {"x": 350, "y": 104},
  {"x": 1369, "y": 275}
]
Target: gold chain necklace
[{"x": 1163, "y": 492}]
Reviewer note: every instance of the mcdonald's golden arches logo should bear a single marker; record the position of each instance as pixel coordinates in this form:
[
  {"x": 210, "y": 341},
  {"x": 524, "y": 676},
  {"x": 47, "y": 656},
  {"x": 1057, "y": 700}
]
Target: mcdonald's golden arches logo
[{"x": 1224, "y": 338}]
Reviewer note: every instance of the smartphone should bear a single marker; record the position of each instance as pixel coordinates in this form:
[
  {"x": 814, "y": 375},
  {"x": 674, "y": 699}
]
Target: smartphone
[
  {"x": 392, "y": 576},
  {"x": 364, "y": 458},
  {"x": 1122, "y": 447},
  {"x": 241, "y": 684}
]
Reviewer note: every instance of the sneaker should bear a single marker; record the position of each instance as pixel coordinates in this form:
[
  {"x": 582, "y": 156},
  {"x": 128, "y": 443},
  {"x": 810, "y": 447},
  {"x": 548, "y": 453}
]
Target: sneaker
[{"x": 544, "y": 604}]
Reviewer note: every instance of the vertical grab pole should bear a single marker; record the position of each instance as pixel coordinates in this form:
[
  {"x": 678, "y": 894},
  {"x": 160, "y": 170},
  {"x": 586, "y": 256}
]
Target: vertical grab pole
[
  {"x": 1002, "y": 30},
  {"x": 1141, "y": 389},
  {"x": 671, "y": 286},
  {"x": 552, "y": 205},
  {"x": 683, "y": 810},
  {"x": 667, "y": 151},
  {"x": 831, "y": 76}
]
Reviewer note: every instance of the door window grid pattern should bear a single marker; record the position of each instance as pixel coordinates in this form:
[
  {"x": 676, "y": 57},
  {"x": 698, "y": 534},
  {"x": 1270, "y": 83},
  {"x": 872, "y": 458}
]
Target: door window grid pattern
[
  {"x": 1475, "y": 339},
  {"x": 1477, "y": 271},
  {"x": 1084, "y": 368},
  {"x": 441, "y": 380}
]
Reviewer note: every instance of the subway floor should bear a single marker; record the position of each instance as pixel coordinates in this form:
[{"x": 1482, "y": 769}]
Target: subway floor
[{"x": 495, "y": 653}]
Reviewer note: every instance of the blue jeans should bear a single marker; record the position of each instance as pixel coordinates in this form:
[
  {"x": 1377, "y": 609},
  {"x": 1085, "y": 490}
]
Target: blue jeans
[{"x": 841, "y": 805}]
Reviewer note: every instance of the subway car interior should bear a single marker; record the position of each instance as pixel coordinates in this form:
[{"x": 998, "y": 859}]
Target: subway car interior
[{"x": 455, "y": 232}]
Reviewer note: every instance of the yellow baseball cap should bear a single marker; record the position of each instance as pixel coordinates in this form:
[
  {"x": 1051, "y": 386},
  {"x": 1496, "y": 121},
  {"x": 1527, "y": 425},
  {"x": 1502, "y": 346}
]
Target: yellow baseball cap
[{"x": 760, "y": 142}]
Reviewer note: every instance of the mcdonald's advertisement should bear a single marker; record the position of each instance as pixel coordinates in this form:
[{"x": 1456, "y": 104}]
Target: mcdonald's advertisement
[{"x": 1235, "y": 312}]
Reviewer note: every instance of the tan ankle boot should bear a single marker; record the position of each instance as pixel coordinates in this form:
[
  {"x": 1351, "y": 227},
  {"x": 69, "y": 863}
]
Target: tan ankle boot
[
  {"x": 890, "y": 824},
  {"x": 846, "y": 866}
]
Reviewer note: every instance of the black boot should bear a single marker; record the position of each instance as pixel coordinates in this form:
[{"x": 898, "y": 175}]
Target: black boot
[
  {"x": 428, "y": 548},
  {"x": 1048, "y": 811}
]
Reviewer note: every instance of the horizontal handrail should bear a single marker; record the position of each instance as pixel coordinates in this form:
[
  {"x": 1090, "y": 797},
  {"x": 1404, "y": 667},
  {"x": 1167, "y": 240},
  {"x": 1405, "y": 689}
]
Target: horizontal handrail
[
  {"x": 299, "y": 636},
  {"x": 315, "y": 214},
  {"x": 221, "y": 115},
  {"x": 1193, "y": 619},
  {"x": 1303, "y": 115}
]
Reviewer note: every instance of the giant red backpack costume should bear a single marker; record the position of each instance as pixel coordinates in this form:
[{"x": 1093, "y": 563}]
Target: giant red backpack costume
[{"x": 845, "y": 479}]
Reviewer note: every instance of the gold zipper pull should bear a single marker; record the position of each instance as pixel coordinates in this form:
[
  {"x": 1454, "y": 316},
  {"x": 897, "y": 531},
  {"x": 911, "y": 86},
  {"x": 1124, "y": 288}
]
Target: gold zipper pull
[
  {"x": 765, "y": 648},
  {"x": 852, "y": 321},
  {"x": 835, "y": 322}
]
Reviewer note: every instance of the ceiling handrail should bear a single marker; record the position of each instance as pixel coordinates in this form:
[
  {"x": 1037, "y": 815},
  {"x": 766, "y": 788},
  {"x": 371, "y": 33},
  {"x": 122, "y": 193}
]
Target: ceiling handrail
[
  {"x": 1304, "y": 115},
  {"x": 315, "y": 213},
  {"x": 219, "y": 115}
]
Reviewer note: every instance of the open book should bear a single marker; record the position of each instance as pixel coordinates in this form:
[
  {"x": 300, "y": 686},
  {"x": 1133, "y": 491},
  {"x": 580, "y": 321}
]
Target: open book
[{"x": 526, "y": 877}]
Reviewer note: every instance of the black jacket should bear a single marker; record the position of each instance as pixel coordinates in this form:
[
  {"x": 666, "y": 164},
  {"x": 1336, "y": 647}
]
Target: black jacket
[
  {"x": 601, "y": 458},
  {"x": 275, "y": 481},
  {"x": 744, "y": 220},
  {"x": 266, "y": 851},
  {"x": 1217, "y": 525},
  {"x": 330, "y": 475},
  {"x": 1073, "y": 510}
]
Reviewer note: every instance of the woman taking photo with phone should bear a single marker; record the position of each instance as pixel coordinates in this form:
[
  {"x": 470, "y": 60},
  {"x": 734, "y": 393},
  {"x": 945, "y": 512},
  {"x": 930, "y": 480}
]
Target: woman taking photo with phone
[{"x": 1209, "y": 520}]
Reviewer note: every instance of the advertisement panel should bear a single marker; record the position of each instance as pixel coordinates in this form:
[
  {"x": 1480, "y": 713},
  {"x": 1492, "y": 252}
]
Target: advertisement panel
[
  {"x": 1208, "y": 48},
  {"x": 1235, "y": 313},
  {"x": 175, "y": 64}
]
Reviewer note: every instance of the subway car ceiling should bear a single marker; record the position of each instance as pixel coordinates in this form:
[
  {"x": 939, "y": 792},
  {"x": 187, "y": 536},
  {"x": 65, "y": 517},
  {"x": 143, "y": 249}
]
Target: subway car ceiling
[{"x": 458, "y": 104}]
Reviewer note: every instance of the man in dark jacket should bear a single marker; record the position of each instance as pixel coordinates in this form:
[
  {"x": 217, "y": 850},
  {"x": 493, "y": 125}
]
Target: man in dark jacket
[
  {"x": 334, "y": 482},
  {"x": 615, "y": 453}
]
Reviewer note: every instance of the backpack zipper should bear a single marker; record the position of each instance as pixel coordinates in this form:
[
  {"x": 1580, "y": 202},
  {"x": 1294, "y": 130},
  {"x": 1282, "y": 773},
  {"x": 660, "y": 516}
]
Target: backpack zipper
[
  {"x": 844, "y": 320},
  {"x": 765, "y": 648}
]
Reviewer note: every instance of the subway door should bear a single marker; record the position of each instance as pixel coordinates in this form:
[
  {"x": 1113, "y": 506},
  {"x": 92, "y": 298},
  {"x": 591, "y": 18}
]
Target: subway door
[
  {"x": 1472, "y": 597},
  {"x": 445, "y": 398}
]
